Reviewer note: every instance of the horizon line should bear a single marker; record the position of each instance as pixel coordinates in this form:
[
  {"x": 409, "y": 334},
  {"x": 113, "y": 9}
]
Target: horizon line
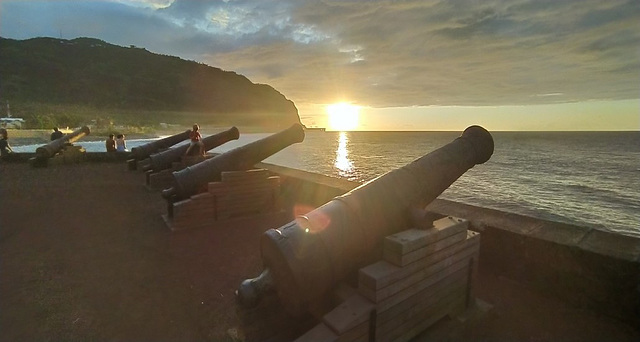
[{"x": 499, "y": 130}]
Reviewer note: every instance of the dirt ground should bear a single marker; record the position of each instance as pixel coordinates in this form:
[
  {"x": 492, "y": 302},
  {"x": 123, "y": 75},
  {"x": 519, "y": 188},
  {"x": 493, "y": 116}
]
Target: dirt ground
[{"x": 86, "y": 256}]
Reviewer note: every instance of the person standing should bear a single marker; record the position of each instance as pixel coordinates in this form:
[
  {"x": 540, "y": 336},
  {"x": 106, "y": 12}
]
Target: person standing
[
  {"x": 110, "y": 144},
  {"x": 121, "y": 146},
  {"x": 56, "y": 134}
]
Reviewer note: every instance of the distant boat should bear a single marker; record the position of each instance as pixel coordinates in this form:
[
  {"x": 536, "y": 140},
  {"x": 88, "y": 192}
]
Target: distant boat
[{"x": 320, "y": 129}]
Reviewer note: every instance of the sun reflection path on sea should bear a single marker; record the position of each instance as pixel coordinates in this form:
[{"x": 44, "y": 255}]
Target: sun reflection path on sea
[{"x": 342, "y": 162}]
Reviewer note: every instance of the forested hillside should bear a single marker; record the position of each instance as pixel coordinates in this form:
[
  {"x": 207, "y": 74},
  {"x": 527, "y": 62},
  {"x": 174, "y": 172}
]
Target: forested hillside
[{"x": 90, "y": 72}]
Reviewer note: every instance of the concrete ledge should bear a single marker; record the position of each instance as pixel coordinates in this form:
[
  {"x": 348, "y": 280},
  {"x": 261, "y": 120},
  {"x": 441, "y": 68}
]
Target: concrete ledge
[
  {"x": 306, "y": 189},
  {"x": 586, "y": 267},
  {"x": 24, "y": 157},
  {"x": 18, "y": 157},
  {"x": 108, "y": 157},
  {"x": 615, "y": 245}
]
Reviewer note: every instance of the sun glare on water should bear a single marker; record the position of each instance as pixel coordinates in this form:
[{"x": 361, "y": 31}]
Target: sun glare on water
[{"x": 343, "y": 116}]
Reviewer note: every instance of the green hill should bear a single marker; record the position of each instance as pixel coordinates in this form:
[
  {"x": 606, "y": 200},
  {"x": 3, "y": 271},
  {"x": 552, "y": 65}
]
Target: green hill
[{"x": 90, "y": 73}]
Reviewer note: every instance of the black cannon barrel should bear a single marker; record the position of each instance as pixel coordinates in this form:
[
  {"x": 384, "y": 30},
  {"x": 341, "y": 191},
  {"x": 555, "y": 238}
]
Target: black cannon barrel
[
  {"x": 50, "y": 149},
  {"x": 144, "y": 151},
  {"x": 308, "y": 256},
  {"x": 163, "y": 160},
  {"x": 188, "y": 180}
]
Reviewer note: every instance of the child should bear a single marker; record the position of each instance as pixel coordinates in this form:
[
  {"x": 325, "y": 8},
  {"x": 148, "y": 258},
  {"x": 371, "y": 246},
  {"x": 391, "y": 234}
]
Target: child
[{"x": 196, "y": 139}]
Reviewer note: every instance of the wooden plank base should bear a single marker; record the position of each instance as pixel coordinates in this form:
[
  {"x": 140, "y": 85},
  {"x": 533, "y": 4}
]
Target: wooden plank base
[{"x": 426, "y": 275}]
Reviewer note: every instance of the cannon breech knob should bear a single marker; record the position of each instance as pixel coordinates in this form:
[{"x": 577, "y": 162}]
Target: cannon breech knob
[{"x": 251, "y": 291}]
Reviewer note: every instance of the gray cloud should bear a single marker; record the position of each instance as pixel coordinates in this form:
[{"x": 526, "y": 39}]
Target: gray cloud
[{"x": 378, "y": 53}]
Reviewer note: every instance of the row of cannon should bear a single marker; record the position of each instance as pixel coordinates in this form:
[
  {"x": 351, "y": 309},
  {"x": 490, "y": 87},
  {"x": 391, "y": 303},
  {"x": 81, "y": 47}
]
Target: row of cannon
[
  {"x": 307, "y": 257},
  {"x": 157, "y": 156}
]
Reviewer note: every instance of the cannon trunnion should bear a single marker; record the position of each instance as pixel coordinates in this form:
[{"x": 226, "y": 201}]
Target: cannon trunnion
[{"x": 307, "y": 257}]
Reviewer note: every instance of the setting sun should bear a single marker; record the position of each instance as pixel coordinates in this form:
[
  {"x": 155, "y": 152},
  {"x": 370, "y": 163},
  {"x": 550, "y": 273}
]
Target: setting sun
[{"x": 343, "y": 116}]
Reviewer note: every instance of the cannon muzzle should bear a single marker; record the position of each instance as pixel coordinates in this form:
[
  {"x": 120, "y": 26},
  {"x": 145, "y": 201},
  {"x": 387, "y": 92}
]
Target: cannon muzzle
[
  {"x": 49, "y": 150},
  {"x": 144, "y": 151},
  {"x": 188, "y": 180},
  {"x": 163, "y": 160},
  {"x": 307, "y": 257}
]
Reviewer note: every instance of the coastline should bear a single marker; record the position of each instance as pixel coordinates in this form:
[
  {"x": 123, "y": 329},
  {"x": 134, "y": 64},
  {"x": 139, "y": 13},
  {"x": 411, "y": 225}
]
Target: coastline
[{"x": 19, "y": 137}]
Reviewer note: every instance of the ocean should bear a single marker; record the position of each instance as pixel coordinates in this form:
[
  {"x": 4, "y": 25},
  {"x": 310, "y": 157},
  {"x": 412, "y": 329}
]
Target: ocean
[{"x": 589, "y": 179}]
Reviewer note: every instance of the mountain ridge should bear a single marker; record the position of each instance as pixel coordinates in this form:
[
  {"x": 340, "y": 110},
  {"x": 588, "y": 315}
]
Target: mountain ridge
[{"x": 91, "y": 72}]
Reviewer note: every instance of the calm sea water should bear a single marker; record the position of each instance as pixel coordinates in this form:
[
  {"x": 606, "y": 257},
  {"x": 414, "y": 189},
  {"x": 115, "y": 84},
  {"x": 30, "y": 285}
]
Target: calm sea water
[{"x": 586, "y": 178}]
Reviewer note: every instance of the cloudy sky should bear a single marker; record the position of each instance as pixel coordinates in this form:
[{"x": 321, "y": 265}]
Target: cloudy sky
[{"x": 411, "y": 65}]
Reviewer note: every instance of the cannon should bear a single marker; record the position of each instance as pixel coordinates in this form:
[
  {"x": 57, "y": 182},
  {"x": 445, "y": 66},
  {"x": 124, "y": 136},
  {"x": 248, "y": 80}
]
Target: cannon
[
  {"x": 49, "y": 150},
  {"x": 304, "y": 259},
  {"x": 188, "y": 180},
  {"x": 144, "y": 151},
  {"x": 163, "y": 160}
]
